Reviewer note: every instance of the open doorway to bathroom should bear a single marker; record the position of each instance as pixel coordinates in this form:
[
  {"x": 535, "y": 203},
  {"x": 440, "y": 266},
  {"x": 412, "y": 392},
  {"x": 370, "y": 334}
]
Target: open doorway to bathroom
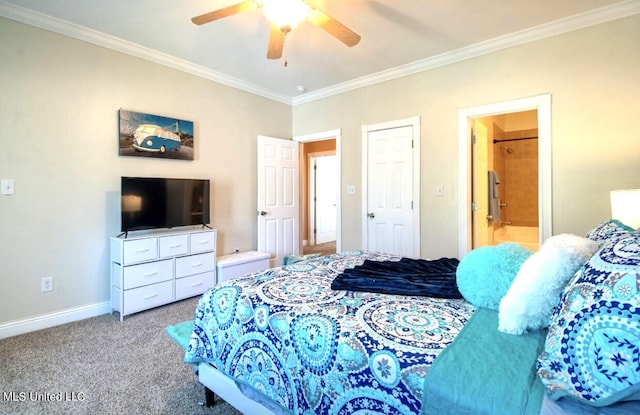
[
  {"x": 476, "y": 129},
  {"x": 505, "y": 175}
]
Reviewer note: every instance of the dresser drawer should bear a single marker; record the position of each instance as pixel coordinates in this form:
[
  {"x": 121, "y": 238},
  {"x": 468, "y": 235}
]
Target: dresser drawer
[
  {"x": 195, "y": 264},
  {"x": 202, "y": 241},
  {"x": 194, "y": 285},
  {"x": 148, "y": 296},
  {"x": 174, "y": 245},
  {"x": 149, "y": 273},
  {"x": 139, "y": 250}
]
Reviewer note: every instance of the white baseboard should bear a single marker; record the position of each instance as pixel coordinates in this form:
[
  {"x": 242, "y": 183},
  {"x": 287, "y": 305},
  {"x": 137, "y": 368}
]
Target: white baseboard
[{"x": 30, "y": 324}]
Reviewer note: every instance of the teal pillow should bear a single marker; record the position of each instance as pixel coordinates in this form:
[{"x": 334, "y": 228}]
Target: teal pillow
[
  {"x": 485, "y": 274},
  {"x": 592, "y": 350},
  {"x": 292, "y": 259}
]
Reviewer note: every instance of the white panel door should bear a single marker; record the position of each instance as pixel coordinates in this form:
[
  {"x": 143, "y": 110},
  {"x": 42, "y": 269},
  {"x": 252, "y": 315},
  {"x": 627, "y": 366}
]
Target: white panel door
[
  {"x": 278, "y": 198},
  {"x": 390, "y": 216}
]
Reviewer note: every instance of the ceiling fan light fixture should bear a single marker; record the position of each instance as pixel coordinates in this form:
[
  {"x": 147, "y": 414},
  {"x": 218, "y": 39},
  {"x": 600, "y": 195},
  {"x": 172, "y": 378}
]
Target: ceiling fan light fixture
[{"x": 286, "y": 14}]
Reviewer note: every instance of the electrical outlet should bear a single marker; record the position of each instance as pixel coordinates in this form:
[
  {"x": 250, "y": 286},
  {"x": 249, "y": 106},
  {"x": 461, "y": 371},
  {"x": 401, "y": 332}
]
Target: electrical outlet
[{"x": 46, "y": 284}]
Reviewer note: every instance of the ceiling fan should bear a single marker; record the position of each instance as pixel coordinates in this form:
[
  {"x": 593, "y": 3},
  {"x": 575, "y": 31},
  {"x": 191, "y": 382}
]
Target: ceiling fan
[{"x": 285, "y": 15}]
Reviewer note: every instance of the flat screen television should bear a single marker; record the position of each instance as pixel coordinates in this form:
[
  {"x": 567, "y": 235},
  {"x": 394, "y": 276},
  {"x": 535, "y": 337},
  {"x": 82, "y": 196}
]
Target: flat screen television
[{"x": 154, "y": 203}]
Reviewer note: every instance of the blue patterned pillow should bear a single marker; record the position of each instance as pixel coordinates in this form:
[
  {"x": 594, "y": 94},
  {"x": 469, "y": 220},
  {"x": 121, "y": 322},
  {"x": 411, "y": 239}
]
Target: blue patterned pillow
[
  {"x": 607, "y": 230},
  {"x": 592, "y": 351}
]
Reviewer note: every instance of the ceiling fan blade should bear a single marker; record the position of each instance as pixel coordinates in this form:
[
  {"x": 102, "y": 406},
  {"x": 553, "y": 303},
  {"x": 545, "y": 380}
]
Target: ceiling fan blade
[
  {"x": 276, "y": 43},
  {"x": 333, "y": 27},
  {"x": 245, "y": 6}
]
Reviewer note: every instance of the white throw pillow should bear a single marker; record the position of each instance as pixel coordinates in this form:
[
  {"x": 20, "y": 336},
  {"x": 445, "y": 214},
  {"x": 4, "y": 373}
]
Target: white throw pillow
[{"x": 536, "y": 290}]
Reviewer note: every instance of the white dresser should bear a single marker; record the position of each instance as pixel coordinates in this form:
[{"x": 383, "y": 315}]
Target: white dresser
[{"x": 159, "y": 268}]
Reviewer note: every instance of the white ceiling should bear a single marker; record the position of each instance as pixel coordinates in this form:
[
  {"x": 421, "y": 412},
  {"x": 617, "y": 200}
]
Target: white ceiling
[{"x": 398, "y": 36}]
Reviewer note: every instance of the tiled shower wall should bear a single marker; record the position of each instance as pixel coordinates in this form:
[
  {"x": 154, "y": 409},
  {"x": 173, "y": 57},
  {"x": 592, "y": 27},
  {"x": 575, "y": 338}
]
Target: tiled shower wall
[{"x": 518, "y": 174}]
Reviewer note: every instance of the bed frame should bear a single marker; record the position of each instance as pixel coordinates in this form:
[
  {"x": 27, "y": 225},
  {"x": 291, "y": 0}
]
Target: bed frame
[{"x": 218, "y": 384}]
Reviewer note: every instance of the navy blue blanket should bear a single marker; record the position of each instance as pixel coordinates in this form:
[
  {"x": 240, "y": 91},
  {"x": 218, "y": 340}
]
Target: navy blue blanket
[{"x": 432, "y": 278}]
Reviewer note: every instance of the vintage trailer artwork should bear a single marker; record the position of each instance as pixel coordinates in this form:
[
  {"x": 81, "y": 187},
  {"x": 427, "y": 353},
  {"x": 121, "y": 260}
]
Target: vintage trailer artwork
[{"x": 148, "y": 135}]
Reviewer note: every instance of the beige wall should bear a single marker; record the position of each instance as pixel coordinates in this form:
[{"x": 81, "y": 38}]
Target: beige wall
[
  {"x": 591, "y": 75},
  {"x": 59, "y": 142}
]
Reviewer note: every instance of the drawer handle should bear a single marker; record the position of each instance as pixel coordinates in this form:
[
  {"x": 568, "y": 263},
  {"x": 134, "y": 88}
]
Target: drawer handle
[
  {"x": 139, "y": 251},
  {"x": 196, "y": 284},
  {"x": 196, "y": 264},
  {"x": 204, "y": 241},
  {"x": 151, "y": 274},
  {"x": 146, "y": 297},
  {"x": 175, "y": 246}
]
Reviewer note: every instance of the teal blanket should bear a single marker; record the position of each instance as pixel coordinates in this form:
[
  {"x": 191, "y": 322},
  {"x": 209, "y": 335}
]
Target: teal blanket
[{"x": 485, "y": 371}]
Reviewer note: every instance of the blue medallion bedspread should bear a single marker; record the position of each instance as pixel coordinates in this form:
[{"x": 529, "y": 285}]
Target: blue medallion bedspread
[{"x": 314, "y": 350}]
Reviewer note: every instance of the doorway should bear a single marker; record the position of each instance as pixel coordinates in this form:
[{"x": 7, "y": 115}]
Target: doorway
[
  {"x": 322, "y": 199},
  {"x": 505, "y": 179},
  {"x": 319, "y": 189},
  {"x": 476, "y": 117},
  {"x": 315, "y": 147}
]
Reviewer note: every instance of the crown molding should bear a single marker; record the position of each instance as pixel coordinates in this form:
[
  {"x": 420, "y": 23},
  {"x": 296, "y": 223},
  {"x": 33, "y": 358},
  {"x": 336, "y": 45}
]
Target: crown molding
[
  {"x": 568, "y": 24},
  {"x": 579, "y": 21},
  {"x": 66, "y": 28}
]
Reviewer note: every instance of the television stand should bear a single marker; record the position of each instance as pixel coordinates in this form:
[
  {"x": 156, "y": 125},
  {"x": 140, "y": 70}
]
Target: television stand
[{"x": 159, "y": 268}]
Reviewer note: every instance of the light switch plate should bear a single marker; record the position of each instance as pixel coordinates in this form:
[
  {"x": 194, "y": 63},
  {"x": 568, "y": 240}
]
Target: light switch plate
[{"x": 8, "y": 186}]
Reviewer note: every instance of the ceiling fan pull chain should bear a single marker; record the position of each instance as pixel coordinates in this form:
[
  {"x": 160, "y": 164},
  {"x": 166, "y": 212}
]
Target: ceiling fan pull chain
[{"x": 284, "y": 47}]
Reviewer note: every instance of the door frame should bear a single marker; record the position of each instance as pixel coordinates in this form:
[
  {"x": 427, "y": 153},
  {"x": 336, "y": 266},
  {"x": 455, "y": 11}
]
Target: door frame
[
  {"x": 541, "y": 103},
  {"x": 329, "y": 135},
  {"x": 413, "y": 122}
]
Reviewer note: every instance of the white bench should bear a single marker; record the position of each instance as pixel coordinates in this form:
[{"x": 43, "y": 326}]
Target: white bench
[{"x": 241, "y": 263}]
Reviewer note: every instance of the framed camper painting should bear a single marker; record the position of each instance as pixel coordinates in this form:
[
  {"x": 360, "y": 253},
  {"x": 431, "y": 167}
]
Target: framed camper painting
[{"x": 148, "y": 135}]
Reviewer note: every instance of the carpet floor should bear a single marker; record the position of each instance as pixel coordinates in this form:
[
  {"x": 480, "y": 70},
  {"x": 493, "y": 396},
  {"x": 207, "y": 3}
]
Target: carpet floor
[{"x": 103, "y": 366}]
